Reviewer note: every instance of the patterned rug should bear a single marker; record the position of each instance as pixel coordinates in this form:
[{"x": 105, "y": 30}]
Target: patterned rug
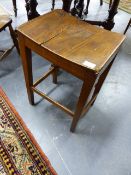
[
  {"x": 19, "y": 152},
  {"x": 124, "y": 5}
]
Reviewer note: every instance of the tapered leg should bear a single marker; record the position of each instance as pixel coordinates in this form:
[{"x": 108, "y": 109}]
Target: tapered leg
[
  {"x": 14, "y": 37},
  {"x": 27, "y": 67},
  {"x": 54, "y": 74},
  {"x": 128, "y": 25},
  {"x": 85, "y": 93}
]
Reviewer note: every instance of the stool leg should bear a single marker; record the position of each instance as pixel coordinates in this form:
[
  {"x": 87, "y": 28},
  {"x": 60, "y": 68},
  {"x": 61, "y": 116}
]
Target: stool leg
[
  {"x": 27, "y": 67},
  {"x": 13, "y": 36},
  {"x": 101, "y": 2},
  {"x": 54, "y": 74},
  {"x": 127, "y": 26},
  {"x": 85, "y": 92}
]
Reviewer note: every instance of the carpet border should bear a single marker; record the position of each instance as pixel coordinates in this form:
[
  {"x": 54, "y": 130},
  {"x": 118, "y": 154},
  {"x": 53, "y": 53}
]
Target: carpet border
[{"x": 32, "y": 138}]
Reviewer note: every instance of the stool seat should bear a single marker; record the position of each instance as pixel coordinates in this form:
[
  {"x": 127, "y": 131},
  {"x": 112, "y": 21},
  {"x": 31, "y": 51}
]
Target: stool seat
[
  {"x": 81, "y": 49},
  {"x": 73, "y": 39},
  {"x": 4, "y": 21},
  {"x": 4, "y": 18}
]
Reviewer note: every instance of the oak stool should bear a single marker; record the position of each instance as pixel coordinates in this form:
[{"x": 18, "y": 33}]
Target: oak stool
[{"x": 81, "y": 49}]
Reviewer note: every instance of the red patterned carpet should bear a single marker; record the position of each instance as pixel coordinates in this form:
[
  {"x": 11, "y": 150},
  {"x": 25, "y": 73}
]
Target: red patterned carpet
[{"x": 19, "y": 152}]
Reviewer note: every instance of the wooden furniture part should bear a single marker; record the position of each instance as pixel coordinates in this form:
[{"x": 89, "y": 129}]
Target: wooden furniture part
[
  {"x": 53, "y": 4},
  {"x": 87, "y": 6},
  {"x": 128, "y": 25},
  {"x": 77, "y": 11},
  {"x": 15, "y": 7},
  {"x": 31, "y": 6},
  {"x": 5, "y": 21},
  {"x": 107, "y": 24},
  {"x": 88, "y": 2},
  {"x": 72, "y": 45}
]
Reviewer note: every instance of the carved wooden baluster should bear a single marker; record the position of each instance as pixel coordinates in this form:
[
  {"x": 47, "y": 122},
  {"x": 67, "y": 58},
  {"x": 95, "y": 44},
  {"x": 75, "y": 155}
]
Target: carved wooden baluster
[
  {"x": 15, "y": 8},
  {"x": 87, "y": 6},
  {"x": 53, "y": 4},
  {"x": 32, "y": 4},
  {"x": 67, "y": 5},
  {"x": 109, "y": 22},
  {"x": 112, "y": 12},
  {"x": 78, "y": 8},
  {"x": 77, "y": 11},
  {"x": 74, "y": 10},
  {"x": 31, "y": 9}
]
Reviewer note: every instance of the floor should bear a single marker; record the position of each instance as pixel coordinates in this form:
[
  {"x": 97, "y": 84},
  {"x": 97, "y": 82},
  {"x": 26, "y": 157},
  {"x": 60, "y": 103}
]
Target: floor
[{"x": 101, "y": 144}]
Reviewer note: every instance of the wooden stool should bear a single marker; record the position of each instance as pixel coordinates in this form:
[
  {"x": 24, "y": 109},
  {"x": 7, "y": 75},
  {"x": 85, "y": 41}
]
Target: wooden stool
[
  {"x": 5, "y": 21},
  {"x": 81, "y": 49},
  {"x": 128, "y": 25}
]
